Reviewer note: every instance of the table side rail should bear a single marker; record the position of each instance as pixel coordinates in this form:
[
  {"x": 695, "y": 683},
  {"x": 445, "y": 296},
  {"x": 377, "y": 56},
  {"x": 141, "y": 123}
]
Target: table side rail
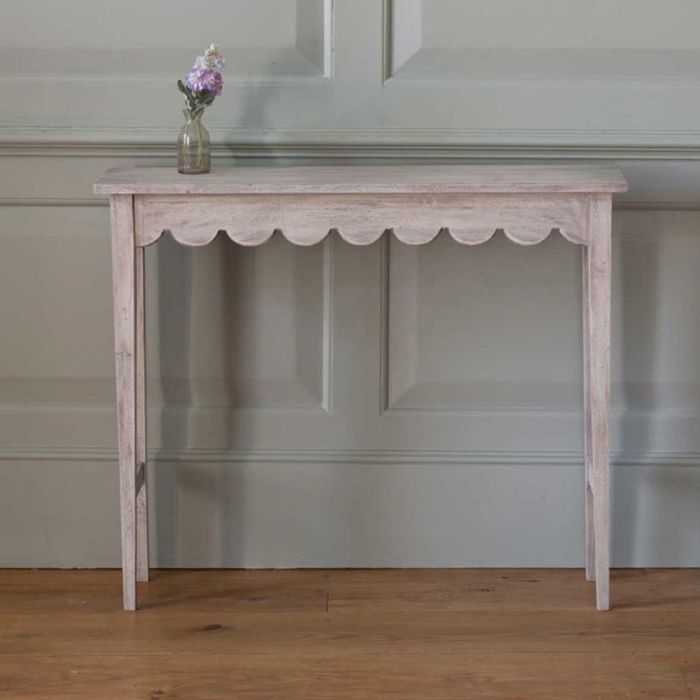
[{"x": 250, "y": 220}]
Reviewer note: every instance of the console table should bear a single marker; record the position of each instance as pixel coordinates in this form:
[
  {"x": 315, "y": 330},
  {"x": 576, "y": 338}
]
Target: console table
[{"x": 360, "y": 203}]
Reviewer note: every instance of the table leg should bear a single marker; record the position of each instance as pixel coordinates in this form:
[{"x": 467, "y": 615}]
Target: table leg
[
  {"x": 598, "y": 280},
  {"x": 589, "y": 553},
  {"x": 142, "y": 569},
  {"x": 124, "y": 273}
]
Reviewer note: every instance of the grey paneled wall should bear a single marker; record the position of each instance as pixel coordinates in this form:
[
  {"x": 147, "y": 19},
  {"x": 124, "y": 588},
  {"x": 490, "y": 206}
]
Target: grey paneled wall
[{"x": 339, "y": 406}]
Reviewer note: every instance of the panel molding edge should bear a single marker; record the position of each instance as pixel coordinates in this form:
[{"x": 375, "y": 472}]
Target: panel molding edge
[
  {"x": 353, "y": 456},
  {"x": 403, "y": 42}
]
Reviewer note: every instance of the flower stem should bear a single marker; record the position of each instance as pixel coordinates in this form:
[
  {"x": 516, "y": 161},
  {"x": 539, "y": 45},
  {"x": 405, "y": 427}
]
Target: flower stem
[{"x": 199, "y": 142}]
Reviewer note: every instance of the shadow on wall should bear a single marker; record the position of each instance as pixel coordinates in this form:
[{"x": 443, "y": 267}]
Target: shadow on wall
[
  {"x": 637, "y": 276},
  {"x": 176, "y": 480},
  {"x": 200, "y": 509},
  {"x": 214, "y": 491},
  {"x": 654, "y": 505},
  {"x": 174, "y": 285}
]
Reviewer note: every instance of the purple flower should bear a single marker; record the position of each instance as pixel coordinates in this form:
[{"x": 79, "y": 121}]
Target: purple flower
[
  {"x": 205, "y": 80},
  {"x": 211, "y": 58}
]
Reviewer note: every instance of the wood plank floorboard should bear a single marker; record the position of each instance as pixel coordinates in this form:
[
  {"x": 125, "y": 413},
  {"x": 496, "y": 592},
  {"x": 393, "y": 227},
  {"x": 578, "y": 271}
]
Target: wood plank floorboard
[{"x": 423, "y": 634}]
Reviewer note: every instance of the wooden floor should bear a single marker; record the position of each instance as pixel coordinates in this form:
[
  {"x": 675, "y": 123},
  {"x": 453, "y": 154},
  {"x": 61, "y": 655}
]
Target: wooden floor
[{"x": 438, "y": 634}]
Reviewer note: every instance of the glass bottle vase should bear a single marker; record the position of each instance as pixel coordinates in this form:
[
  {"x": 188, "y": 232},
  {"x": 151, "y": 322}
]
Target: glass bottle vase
[{"x": 193, "y": 147}]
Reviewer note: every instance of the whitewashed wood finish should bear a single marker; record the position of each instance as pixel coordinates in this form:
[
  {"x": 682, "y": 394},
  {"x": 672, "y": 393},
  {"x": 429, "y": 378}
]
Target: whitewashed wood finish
[
  {"x": 598, "y": 287},
  {"x": 527, "y": 203},
  {"x": 589, "y": 551},
  {"x": 142, "y": 572},
  {"x": 124, "y": 280},
  {"x": 360, "y": 219},
  {"x": 368, "y": 179}
]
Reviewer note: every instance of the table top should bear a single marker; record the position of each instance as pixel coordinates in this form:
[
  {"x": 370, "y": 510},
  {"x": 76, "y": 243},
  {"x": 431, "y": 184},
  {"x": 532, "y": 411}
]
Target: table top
[{"x": 367, "y": 179}]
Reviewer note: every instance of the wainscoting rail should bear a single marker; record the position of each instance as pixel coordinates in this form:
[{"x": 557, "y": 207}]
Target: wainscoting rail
[{"x": 351, "y": 456}]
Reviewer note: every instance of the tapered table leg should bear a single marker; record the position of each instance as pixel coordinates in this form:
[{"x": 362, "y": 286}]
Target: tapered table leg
[
  {"x": 589, "y": 552},
  {"x": 598, "y": 280},
  {"x": 142, "y": 566},
  {"x": 124, "y": 280}
]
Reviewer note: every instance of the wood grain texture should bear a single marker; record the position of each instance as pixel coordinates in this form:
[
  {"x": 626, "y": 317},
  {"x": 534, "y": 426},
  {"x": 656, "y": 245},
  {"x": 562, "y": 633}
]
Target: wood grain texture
[
  {"x": 141, "y": 442},
  {"x": 368, "y": 179},
  {"x": 415, "y": 203},
  {"x": 361, "y": 219},
  {"x": 310, "y": 635},
  {"x": 589, "y": 534},
  {"x": 124, "y": 282},
  {"x": 598, "y": 287}
]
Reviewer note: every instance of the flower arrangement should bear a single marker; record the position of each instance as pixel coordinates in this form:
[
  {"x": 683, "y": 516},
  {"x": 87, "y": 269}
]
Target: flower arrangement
[
  {"x": 203, "y": 83},
  {"x": 201, "y": 87}
]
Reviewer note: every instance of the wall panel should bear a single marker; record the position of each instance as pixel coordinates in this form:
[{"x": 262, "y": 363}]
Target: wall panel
[
  {"x": 341, "y": 406},
  {"x": 540, "y": 39},
  {"x": 488, "y": 327}
]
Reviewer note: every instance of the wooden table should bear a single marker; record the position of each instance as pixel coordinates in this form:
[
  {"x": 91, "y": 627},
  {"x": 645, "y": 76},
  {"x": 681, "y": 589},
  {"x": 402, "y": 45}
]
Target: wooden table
[{"x": 360, "y": 203}]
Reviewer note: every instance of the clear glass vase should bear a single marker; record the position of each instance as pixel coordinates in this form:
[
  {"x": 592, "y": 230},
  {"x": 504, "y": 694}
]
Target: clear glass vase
[{"x": 193, "y": 147}]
